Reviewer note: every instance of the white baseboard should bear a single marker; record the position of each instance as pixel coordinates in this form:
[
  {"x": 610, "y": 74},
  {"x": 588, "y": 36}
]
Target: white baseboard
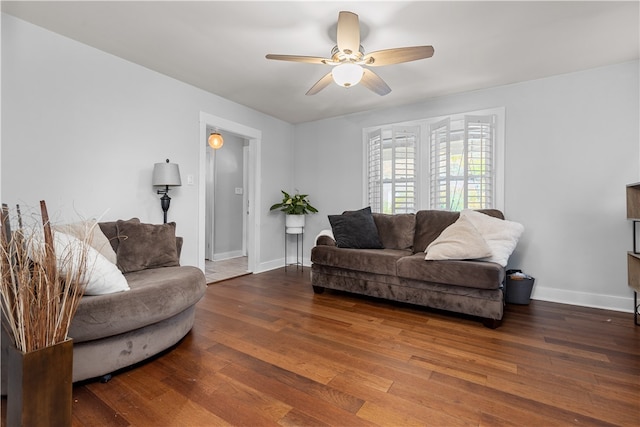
[
  {"x": 585, "y": 299},
  {"x": 270, "y": 265},
  {"x": 227, "y": 255},
  {"x": 278, "y": 263}
]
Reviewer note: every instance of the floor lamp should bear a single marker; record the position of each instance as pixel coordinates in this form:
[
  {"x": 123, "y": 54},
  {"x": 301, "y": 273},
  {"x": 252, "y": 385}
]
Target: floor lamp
[{"x": 166, "y": 175}]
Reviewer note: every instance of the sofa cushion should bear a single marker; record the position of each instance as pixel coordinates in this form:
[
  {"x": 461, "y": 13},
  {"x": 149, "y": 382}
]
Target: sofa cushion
[
  {"x": 395, "y": 231},
  {"x": 355, "y": 229},
  {"x": 379, "y": 261},
  {"x": 156, "y": 294},
  {"x": 430, "y": 223},
  {"x": 471, "y": 274},
  {"x": 146, "y": 246},
  {"x": 460, "y": 240}
]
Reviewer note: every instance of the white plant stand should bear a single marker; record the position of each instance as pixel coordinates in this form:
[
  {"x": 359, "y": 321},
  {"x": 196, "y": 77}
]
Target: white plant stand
[{"x": 294, "y": 225}]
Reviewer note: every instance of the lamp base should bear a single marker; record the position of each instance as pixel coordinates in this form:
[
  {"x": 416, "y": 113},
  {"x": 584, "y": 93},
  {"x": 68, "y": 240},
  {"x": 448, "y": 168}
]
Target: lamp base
[{"x": 165, "y": 201}]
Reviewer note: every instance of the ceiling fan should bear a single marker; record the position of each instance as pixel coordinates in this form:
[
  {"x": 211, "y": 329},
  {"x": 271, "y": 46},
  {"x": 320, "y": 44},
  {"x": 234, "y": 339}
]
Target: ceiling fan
[{"x": 349, "y": 60}]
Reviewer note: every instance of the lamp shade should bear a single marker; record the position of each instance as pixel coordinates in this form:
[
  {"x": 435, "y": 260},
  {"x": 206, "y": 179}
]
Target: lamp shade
[
  {"x": 166, "y": 174},
  {"x": 347, "y": 74},
  {"x": 215, "y": 140}
]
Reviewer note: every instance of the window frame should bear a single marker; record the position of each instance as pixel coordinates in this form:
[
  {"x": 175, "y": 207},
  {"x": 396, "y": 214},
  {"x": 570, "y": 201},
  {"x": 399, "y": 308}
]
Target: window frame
[{"x": 423, "y": 153}]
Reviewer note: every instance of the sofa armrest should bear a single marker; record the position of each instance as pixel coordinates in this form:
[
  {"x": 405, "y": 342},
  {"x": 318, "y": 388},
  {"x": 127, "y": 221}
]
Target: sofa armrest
[
  {"x": 325, "y": 238},
  {"x": 179, "y": 241}
]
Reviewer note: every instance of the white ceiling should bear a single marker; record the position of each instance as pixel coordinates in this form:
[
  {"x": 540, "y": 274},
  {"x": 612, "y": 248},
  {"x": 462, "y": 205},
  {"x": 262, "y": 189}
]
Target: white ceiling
[{"x": 221, "y": 46}]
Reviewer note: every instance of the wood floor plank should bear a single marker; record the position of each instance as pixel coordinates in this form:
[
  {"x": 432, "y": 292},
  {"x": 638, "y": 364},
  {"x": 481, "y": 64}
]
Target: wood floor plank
[
  {"x": 318, "y": 369},
  {"x": 551, "y": 414},
  {"x": 335, "y": 397},
  {"x": 89, "y": 410},
  {"x": 265, "y": 350},
  {"x": 394, "y": 416},
  {"x": 311, "y": 405}
]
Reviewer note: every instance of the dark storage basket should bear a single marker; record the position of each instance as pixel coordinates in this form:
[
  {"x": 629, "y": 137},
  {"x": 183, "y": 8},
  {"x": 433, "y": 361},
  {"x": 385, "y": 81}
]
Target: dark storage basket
[{"x": 519, "y": 290}]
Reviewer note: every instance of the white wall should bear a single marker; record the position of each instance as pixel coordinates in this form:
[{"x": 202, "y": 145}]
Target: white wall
[
  {"x": 82, "y": 129},
  {"x": 572, "y": 144}
]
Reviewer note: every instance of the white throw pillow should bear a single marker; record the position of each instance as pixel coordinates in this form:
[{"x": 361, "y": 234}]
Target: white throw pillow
[
  {"x": 460, "y": 240},
  {"x": 103, "y": 277},
  {"x": 90, "y": 232},
  {"x": 501, "y": 235}
]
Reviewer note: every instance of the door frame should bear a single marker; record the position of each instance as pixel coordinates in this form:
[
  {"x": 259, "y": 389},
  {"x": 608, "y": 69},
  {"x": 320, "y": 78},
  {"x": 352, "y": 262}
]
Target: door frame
[
  {"x": 246, "y": 159},
  {"x": 254, "y": 217}
]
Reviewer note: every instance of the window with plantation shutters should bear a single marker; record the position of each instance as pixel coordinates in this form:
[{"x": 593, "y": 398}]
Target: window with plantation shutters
[
  {"x": 392, "y": 171},
  {"x": 462, "y": 163},
  {"x": 450, "y": 162}
]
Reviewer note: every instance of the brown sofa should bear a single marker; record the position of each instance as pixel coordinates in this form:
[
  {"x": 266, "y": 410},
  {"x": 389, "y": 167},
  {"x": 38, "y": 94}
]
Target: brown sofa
[
  {"x": 398, "y": 270},
  {"x": 117, "y": 330}
]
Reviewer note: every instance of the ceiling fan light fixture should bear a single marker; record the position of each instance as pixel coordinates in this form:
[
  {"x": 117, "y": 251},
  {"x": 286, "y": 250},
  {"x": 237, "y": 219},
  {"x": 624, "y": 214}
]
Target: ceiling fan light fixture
[
  {"x": 347, "y": 74},
  {"x": 215, "y": 140},
  {"x": 348, "y": 58}
]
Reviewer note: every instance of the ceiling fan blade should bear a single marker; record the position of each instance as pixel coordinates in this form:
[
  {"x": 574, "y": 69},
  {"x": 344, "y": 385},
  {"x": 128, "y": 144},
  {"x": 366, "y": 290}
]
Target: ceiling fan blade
[
  {"x": 398, "y": 55},
  {"x": 296, "y": 58},
  {"x": 373, "y": 82},
  {"x": 320, "y": 84},
  {"x": 348, "y": 33}
]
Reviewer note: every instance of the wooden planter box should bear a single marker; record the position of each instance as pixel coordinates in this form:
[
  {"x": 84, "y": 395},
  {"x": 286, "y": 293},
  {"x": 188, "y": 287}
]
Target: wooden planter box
[{"x": 39, "y": 384}]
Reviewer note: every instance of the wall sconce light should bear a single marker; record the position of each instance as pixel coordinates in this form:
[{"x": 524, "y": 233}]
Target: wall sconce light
[
  {"x": 215, "y": 140},
  {"x": 166, "y": 174}
]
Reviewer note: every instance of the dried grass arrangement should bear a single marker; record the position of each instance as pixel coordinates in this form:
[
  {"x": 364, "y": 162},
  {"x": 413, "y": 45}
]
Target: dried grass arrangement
[{"x": 40, "y": 289}]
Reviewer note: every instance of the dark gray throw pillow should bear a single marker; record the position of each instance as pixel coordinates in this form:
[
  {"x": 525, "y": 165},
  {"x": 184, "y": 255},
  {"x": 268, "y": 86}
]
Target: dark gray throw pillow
[
  {"x": 144, "y": 246},
  {"x": 356, "y": 230}
]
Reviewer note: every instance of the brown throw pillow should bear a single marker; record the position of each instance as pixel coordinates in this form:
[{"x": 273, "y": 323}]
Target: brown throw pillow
[
  {"x": 110, "y": 229},
  {"x": 143, "y": 246}
]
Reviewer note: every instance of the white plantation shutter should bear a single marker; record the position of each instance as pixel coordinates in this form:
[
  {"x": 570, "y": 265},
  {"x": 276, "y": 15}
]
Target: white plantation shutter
[
  {"x": 462, "y": 170},
  {"x": 374, "y": 167},
  {"x": 404, "y": 179},
  {"x": 392, "y": 173},
  {"x": 479, "y": 171},
  {"x": 439, "y": 167}
]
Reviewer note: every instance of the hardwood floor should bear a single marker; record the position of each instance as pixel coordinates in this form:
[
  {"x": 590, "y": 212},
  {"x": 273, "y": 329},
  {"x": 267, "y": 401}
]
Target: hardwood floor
[{"x": 266, "y": 351}]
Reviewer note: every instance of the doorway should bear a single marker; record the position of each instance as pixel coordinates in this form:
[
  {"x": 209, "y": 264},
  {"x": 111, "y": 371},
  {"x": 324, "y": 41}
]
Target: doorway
[
  {"x": 249, "y": 142},
  {"x": 226, "y": 210}
]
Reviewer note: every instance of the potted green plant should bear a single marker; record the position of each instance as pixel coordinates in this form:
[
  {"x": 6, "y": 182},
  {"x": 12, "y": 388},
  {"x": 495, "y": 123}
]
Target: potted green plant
[{"x": 295, "y": 207}]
